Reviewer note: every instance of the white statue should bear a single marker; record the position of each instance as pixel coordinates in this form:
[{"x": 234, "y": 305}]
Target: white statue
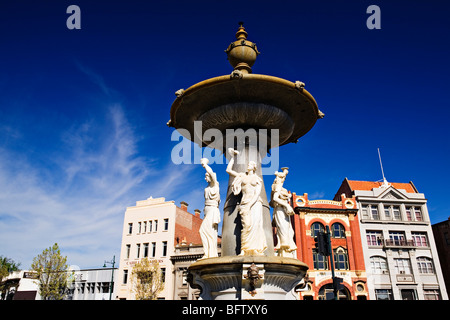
[
  {"x": 209, "y": 226},
  {"x": 253, "y": 239},
  {"x": 282, "y": 213}
]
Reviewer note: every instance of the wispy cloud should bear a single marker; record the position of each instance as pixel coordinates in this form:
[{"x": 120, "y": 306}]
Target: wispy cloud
[
  {"x": 79, "y": 201},
  {"x": 316, "y": 195},
  {"x": 95, "y": 78},
  {"x": 76, "y": 193}
]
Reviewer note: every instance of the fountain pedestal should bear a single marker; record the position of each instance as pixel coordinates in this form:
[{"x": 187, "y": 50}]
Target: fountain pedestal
[{"x": 247, "y": 277}]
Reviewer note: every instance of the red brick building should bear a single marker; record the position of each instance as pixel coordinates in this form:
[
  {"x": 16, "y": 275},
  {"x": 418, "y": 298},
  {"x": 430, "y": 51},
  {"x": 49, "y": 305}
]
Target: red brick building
[{"x": 312, "y": 216}]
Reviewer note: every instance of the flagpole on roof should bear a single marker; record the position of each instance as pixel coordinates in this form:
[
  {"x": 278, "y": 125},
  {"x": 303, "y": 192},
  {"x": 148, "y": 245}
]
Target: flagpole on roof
[{"x": 385, "y": 183}]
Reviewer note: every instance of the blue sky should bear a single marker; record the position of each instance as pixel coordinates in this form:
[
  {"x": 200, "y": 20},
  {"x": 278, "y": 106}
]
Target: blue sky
[{"x": 83, "y": 112}]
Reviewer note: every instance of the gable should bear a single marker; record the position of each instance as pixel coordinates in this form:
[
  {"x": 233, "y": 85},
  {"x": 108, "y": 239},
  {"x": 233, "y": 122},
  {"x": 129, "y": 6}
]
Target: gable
[{"x": 392, "y": 195}]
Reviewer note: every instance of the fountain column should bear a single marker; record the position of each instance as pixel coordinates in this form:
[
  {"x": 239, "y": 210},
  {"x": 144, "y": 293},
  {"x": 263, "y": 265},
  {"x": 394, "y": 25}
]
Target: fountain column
[{"x": 231, "y": 228}]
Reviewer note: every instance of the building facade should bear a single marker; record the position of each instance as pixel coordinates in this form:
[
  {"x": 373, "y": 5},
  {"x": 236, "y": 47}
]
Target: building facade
[
  {"x": 151, "y": 230},
  {"x": 92, "y": 284},
  {"x": 441, "y": 232},
  {"x": 397, "y": 241},
  {"x": 313, "y": 216},
  {"x": 184, "y": 255},
  {"x": 21, "y": 285}
]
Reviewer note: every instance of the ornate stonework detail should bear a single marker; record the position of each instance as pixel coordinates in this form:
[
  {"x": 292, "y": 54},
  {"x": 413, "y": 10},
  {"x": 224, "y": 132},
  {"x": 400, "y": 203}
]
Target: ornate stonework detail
[
  {"x": 327, "y": 217},
  {"x": 299, "y": 85},
  {"x": 321, "y": 115},
  {"x": 253, "y": 276},
  {"x": 179, "y": 93},
  {"x": 236, "y": 74}
]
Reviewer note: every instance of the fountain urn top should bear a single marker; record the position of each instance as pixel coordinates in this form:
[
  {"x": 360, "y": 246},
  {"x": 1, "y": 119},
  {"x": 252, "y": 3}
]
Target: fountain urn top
[
  {"x": 244, "y": 100},
  {"x": 242, "y": 53}
]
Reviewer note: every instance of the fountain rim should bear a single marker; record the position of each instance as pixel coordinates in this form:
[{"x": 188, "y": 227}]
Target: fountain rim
[
  {"x": 239, "y": 260},
  {"x": 227, "y": 78}
]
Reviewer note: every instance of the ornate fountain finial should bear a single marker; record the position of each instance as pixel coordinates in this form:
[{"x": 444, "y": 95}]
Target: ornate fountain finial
[
  {"x": 241, "y": 34},
  {"x": 242, "y": 53}
]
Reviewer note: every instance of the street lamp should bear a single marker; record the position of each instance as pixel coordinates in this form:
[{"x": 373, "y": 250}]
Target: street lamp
[{"x": 113, "y": 261}]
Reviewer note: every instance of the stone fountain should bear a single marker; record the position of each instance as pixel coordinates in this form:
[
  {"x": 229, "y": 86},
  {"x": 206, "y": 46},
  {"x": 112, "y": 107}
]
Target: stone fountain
[{"x": 274, "y": 108}]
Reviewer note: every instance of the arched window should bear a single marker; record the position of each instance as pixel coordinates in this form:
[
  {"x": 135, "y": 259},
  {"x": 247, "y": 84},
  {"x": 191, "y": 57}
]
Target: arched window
[
  {"x": 337, "y": 230},
  {"x": 378, "y": 265},
  {"x": 340, "y": 259},
  {"x": 316, "y": 227},
  {"x": 326, "y": 293},
  {"x": 425, "y": 265}
]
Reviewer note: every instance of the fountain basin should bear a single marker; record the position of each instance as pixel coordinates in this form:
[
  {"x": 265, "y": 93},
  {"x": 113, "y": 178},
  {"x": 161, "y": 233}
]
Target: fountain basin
[{"x": 248, "y": 100}]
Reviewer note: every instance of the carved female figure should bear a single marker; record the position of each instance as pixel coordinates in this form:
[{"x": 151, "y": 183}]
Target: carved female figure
[
  {"x": 253, "y": 240},
  {"x": 282, "y": 211},
  {"x": 209, "y": 226}
]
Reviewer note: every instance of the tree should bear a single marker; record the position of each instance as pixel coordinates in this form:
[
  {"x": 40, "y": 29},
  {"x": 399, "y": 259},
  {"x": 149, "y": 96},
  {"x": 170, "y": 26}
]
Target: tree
[
  {"x": 147, "y": 279},
  {"x": 52, "y": 274},
  {"x": 7, "y": 265}
]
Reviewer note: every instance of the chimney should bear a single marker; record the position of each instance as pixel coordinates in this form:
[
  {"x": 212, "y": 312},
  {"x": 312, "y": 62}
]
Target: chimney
[
  {"x": 197, "y": 212},
  {"x": 184, "y": 205}
]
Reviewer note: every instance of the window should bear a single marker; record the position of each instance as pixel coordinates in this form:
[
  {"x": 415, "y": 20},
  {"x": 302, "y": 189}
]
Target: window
[
  {"x": 420, "y": 239},
  {"x": 378, "y": 265},
  {"x": 130, "y": 228},
  {"x": 164, "y": 253},
  {"x": 397, "y": 238},
  {"x": 166, "y": 224},
  {"x": 145, "y": 226},
  {"x": 418, "y": 214},
  {"x": 153, "y": 249},
  {"x": 402, "y": 266},
  {"x": 392, "y": 212},
  {"x": 145, "y": 250},
  {"x": 184, "y": 274},
  {"x": 139, "y": 227},
  {"x": 128, "y": 249},
  {"x": 408, "y": 213},
  {"x": 125, "y": 277},
  {"x": 337, "y": 230},
  {"x": 373, "y": 238},
  {"x": 163, "y": 274},
  {"x": 150, "y": 226},
  {"x": 387, "y": 213},
  {"x": 374, "y": 211},
  {"x": 343, "y": 294},
  {"x": 370, "y": 211},
  {"x": 105, "y": 287},
  {"x": 320, "y": 261},
  {"x": 396, "y": 213},
  {"x": 340, "y": 259},
  {"x": 425, "y": 265},
  {"x": 316, "y": 227},
  {"x": 408, "y": 294},
  {"x": 433, "y": 294},
  {"x": 365, "y": 211},
  {"x": 383, "y": 294},
  {"x": 138, "y": 250},
  {"x": 156, "y": 225}
]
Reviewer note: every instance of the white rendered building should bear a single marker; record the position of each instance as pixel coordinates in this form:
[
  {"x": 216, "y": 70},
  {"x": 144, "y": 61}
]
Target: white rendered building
[
  {"x": 92, "y": 284},
  {"x": 399, "y": 250},
  {"x": 152, "y": 229}
]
